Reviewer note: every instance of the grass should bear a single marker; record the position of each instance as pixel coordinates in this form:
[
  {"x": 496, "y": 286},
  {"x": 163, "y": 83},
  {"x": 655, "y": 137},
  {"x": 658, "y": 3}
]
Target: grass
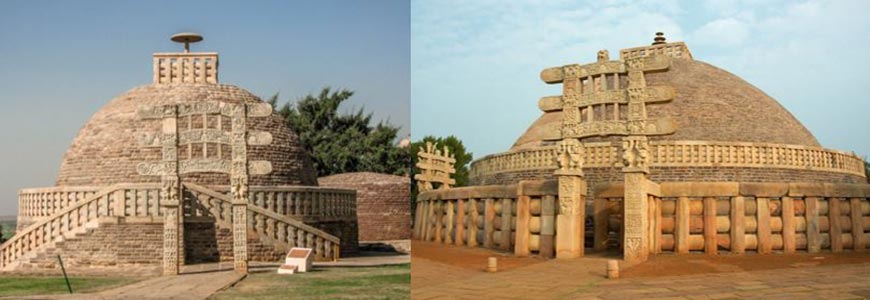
[
  {"x": 44, "y": 285},
  {"x": 387, "y": 282}
]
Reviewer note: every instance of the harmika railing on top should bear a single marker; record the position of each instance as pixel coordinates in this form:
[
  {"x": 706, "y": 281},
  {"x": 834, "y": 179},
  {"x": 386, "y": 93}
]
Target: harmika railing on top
[
  {"x": 285, "y": 231},
  {"x": 682, "y": 154},
  {"x": 186, "y": 67},
  {"x": 110, "y": 201}
]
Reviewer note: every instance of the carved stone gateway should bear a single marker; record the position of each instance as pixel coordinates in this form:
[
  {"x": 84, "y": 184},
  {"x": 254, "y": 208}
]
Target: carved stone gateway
[
  {"x": 594, "y": 102},
  {"x": 435, "y": 166},
  {"x": 209, "y": 135}
]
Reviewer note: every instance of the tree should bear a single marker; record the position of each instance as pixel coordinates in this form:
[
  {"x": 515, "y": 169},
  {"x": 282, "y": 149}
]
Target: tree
[
  {"x": 455, "y": 146},
  {"x": 867, "y": 169},
  {"x": 340, "y": 143}
]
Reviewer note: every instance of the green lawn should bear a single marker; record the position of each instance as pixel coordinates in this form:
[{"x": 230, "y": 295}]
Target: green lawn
[
  {"x": 388, "y": 282},
  {"x": 43, "y": 285}
]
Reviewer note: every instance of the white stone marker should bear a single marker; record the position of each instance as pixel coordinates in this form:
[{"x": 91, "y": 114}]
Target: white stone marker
[{"x": 297, "y": 260}]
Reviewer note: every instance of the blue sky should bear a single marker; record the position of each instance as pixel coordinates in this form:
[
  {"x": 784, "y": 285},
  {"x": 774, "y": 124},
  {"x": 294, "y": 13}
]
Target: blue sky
[
  {"x": 475, "y": 64},
  {"x": 60, "y": 61}
]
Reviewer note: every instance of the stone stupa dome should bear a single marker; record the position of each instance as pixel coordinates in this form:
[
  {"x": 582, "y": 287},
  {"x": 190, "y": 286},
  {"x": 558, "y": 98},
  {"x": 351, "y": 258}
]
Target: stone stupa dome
[
  {"x": 702, "y": 123},
  {"x": 711, "y": 104},
  {"x": 107, "y": 149}
]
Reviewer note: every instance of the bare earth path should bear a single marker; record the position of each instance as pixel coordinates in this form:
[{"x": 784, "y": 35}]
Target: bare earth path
[
  {"x": 841, "y": 276},
  {"x": 187, "y": 287}
]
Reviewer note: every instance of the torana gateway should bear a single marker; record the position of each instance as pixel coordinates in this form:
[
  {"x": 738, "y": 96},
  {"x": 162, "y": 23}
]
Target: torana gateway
[
  {"x": 181, "y": 171},
  {"x": 667, "y": 154}
]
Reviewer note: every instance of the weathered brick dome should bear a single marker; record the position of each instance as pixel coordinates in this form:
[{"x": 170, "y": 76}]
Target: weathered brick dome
[
  {"x": 107, "y": 149},
  {"x": 711, "y": 104},
  {"x": 702, "y": 123}
]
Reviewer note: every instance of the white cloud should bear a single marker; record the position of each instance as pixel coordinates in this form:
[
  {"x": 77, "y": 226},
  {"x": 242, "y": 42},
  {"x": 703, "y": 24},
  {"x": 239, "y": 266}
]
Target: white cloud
[{"x": 725, "y": 32}]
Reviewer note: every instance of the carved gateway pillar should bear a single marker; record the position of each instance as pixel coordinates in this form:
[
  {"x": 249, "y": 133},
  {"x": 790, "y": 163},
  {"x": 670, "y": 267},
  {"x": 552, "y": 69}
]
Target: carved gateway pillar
[
  {"x": 635, "y": 237},
  {"x": 170, "y": 198},
  {"x": 572, "y": 199},
  {"x": 239, "y": 189}
]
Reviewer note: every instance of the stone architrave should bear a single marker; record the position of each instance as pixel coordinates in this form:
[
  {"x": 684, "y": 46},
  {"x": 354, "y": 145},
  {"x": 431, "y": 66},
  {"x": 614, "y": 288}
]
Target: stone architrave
[
  {"x": 636, "y": 221},
  {"x": 572, "y": 200},
  {"x": 586, "y": 95}
]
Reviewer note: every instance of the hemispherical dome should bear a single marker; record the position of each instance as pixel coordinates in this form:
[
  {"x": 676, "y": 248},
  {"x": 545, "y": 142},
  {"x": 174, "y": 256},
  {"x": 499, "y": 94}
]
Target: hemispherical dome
[
  {"x": 710, "y": 105},
  {"x": 107, "y": 149}
]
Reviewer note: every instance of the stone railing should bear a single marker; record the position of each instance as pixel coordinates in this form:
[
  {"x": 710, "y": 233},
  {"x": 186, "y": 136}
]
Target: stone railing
[
  {"x": 682, "y": 154},
  {"x": 186, "y": 67},
  {"x": 303, "y": 202},
  {"x": 739, "y": 217},
  {"x": 491, "y": 216},
  {"x": 115, "y": 200},
  {"x": 281, "y": 230},
  {"x": 677, "y": 50},
  {"x": 36, "y": 203}
]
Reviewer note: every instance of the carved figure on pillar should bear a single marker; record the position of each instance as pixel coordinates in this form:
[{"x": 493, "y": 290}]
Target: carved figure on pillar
[
  {"x": 570, "y": 157},
  {"x": 635, "y": 154}
]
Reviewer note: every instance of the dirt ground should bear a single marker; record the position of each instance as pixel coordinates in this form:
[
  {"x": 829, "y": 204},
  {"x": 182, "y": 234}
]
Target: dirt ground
[
  {"x": 468, "y": 258},
  {"x": 672, "y": 265},
  {"x": 474, "y": 260}
]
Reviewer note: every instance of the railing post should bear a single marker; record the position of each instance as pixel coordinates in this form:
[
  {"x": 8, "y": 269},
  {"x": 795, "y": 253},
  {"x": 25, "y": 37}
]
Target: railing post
[
  {"x": 489, "y": 222},
  {"x": 814, "y": 239},
  {"x": 788, "y": 225},
  {"x": 471, "y": 241},
  {"x": 523, "y": 233},
  {"x": 858, "y": 242},
  {"x": 548, "y": 227},
  {"x": 460, "y": 222},
  {"x": 738, "y": 229}
]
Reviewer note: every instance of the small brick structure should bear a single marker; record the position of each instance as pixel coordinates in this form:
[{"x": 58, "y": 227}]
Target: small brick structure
[{"x": 383, "y": 205}]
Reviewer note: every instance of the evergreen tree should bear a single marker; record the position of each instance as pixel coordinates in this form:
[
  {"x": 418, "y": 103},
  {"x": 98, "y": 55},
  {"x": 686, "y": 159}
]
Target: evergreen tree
[{"x": 341, "y": 143}]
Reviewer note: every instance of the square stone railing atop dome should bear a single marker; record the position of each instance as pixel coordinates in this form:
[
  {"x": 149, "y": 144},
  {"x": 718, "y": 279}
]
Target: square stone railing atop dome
[{"x": 186, "y": 67}]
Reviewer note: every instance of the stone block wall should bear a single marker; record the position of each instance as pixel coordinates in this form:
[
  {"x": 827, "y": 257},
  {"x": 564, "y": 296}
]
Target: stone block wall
[
  {"x": 125, "y": 249},
  {"x": 383, "y": 205}
]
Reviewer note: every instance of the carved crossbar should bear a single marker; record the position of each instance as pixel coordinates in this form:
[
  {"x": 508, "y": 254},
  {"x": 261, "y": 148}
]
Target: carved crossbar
[
  {"x": 593, "y": 96},
  {"x": 237, "y": 138},
  {"x": 436, "y": 166}
]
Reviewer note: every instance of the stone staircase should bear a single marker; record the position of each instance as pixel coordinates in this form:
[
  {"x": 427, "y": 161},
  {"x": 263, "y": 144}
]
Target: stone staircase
[{"x": 85, "y": 226}]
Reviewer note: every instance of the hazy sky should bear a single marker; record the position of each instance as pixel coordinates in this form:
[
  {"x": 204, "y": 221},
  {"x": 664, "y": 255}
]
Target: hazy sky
[
  {"x": 60, "y": 61},
  {"x": 476, "y": 64}
]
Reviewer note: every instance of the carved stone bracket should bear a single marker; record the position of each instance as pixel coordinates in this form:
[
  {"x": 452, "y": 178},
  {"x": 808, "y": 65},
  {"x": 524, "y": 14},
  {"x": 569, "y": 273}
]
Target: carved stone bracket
[
  {"x": 570, "y": 155},
  {"x": 635, "y": 154}
]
